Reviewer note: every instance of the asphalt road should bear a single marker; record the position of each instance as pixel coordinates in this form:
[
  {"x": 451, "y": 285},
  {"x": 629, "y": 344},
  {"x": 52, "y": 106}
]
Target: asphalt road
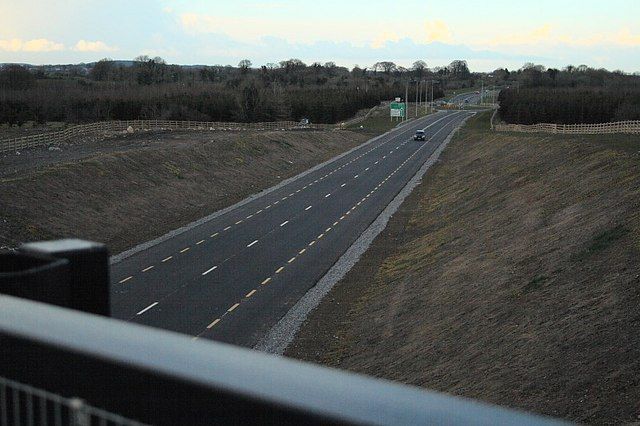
[
  {"x": 473, "y": 98},
  {"x": 232, "y": 278}
]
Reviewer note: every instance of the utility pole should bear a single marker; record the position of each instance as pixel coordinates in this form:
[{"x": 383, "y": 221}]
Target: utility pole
[
  {"x": 426, "y": 96},
  {"x": 406, "y": 101},
  {"x": 417, "y": 84},
  {"x": 432, "y": 83}
]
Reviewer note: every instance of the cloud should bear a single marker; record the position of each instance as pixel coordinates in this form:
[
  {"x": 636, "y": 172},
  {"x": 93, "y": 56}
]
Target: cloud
[
  {"x": 547, "y": 35},
  {"x": 35, "y": 45},
  {"x": 437, "y": 31},
  {"x": 383, "y": 38},
  {"x": 93, "y": 46}
]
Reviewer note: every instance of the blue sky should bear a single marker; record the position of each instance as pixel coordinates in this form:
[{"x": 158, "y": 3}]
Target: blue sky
[{"x": 489, "y": 33}]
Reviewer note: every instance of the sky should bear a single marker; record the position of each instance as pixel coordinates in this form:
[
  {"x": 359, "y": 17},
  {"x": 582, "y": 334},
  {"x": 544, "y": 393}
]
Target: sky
[{"x": 488, "y": 34}]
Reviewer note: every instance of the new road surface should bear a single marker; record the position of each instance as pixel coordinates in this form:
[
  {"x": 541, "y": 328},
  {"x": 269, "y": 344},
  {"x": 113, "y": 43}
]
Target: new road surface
[{"x": 234, "y": 276}]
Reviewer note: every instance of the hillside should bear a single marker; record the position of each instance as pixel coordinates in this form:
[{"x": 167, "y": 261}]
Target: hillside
[
  {"x": 131, "y": 188},
  {"x": 510, "y": 275}
]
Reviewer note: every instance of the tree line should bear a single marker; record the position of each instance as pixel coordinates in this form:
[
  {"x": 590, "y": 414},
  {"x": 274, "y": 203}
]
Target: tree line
[
  {"x": 572, "y": 95},
  {"x": 149, "y": 88}
]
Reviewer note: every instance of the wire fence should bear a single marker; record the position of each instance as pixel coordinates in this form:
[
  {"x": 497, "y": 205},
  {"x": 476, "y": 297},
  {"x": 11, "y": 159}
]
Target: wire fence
[
  {"x": 22, "y": 404},
  {"x": 628, "y": 127},
  {"x": 104, "y": 127}
]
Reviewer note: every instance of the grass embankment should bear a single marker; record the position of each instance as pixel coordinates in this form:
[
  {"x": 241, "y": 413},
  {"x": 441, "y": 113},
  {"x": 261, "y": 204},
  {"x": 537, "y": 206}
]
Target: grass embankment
[
  {"x": 510, "y": 275},
  {"x": 130, "y": 189}
]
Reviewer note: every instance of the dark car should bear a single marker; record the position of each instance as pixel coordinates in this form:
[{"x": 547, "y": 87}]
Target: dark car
[{"x": 419, "y": 136}]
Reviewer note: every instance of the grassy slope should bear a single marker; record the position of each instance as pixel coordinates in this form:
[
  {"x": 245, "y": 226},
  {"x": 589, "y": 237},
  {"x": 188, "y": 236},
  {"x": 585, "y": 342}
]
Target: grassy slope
[
  {"x": 511, "y": 275},
  {"x": 155, "y": 184}
]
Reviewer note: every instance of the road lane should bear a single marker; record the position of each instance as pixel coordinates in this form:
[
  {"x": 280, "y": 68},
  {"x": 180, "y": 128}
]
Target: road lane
[{"x": 274, "y": 248}]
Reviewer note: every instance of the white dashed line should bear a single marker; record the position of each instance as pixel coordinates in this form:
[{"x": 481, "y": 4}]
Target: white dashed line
[
  {"x": 356, "y": 176},
  {"x": 249, "y": 245},
  {"x": 280, "y": 269},
  {"x": 215, "y": 235},
  {"x": 291, "y": 260},
  {"x": 308, "y": 207},
  {"x": 227, "y": 228},
  {"x": 213, "y": 323},
  {"x": 266, "y": 281},
  {"x": 124, "y": 280},
  {"x": 147, "y": 308},
  {"x": 185, "y": 249},
  {"x": 167, "y": 258},
  {"x": 199, "y": 242},
  {"x": 209, "y": 270},
  {"x": 327, "y": 196},
  {"x": 284, "y": 223},
  {"x": 302, "y": 251},
  {"x": 233, "y": 307},
  {"x": 251, "y": 293},
  {"x": 343, "y": 185},
  {"x": 148, "y": 268}
]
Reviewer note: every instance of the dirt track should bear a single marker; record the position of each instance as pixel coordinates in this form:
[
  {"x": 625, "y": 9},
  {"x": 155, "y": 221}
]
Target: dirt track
[
  {"x": 510, "y": 275},
  {"x": 131, "y": 188}
]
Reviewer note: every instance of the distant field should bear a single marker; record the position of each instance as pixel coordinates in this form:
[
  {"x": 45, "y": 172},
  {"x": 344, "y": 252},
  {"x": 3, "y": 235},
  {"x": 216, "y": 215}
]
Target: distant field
[{"x": 510, "y": 275}]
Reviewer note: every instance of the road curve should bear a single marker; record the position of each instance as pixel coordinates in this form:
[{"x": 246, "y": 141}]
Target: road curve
[{"x": 233, "y": 277}]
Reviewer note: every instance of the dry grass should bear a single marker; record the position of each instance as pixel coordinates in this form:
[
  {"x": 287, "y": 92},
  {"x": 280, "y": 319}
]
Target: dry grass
[{"x": 511, "y": 275}]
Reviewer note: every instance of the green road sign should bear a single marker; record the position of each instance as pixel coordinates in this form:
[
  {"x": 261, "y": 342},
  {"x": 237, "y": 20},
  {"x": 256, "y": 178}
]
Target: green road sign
[{"x": 398, "y": 109}]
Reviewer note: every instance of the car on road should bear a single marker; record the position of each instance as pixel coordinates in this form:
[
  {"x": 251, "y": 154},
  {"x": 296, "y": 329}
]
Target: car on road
[{"x": 419, "y": 136}]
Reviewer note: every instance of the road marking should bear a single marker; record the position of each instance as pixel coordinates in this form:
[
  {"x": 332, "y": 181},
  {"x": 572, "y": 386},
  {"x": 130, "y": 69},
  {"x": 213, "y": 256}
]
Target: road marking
[
  {"x": 249, "y": 217},
  {"x": 185, "y": 249},
  {"x": 213, "y": 323},
  {"x": 251, "y": 293},
  {"x": 366, "y": 169},
  {"x": 308, "y": 207},
  {"x": 276, "y": 202},
  {"x": 227, "y": 228},
  {"x": 284, "y": 198},
  {"x": 125, "y": 280},
  {"x": 268, "y": 207},
  {"x": 209, "y": 270},
  {"x": 291, "y": 260},
  {"x": 375, "y": 162},
  {"x": 292, "y": 194},
  {"x": 328, "y": 195},
  {"x": 259, "y": 211},
  {"x": 302, "y": 251},
  {"x": 199, "y": 242},
  {"x": 147, "y": 308},
  {"x": 335, "y": 223},
  {"x": 239, "y": 222},
  {"x": 280, "y": 269},
  {"x": 356, "y": 176},
  {"x": 284, "y": 223},
  {"x": 148, "y": 268},
  {"x": 342, "y": 217},
  {"x": 167, "y": 258},
  {"x": 343, "y": 185},
  {"x": 215, "y": 234},
  {"x": 233, "y": 307},
  {"x": 266, "y": 281},
  {"x": 320, "y": 236},
  {"x": 312, "y": 243},
  {"x": 249, "y": 245}
]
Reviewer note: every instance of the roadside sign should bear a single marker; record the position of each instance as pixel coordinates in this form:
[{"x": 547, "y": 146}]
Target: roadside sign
[{"x": 398, "y": 109}]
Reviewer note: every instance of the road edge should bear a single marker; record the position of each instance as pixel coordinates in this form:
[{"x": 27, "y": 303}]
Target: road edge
[
  {"x": 282, "y": 334},
  {"x": 146, "y": 245}
]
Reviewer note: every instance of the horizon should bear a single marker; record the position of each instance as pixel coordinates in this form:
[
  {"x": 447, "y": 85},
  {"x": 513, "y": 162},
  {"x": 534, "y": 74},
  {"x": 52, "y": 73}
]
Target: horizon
[{"x": 495, "y": 34}]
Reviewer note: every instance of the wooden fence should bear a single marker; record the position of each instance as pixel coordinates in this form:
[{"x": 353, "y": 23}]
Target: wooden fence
[
  {"x": 43, "y": 139},
  {"x": 631, "y": 127}
]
